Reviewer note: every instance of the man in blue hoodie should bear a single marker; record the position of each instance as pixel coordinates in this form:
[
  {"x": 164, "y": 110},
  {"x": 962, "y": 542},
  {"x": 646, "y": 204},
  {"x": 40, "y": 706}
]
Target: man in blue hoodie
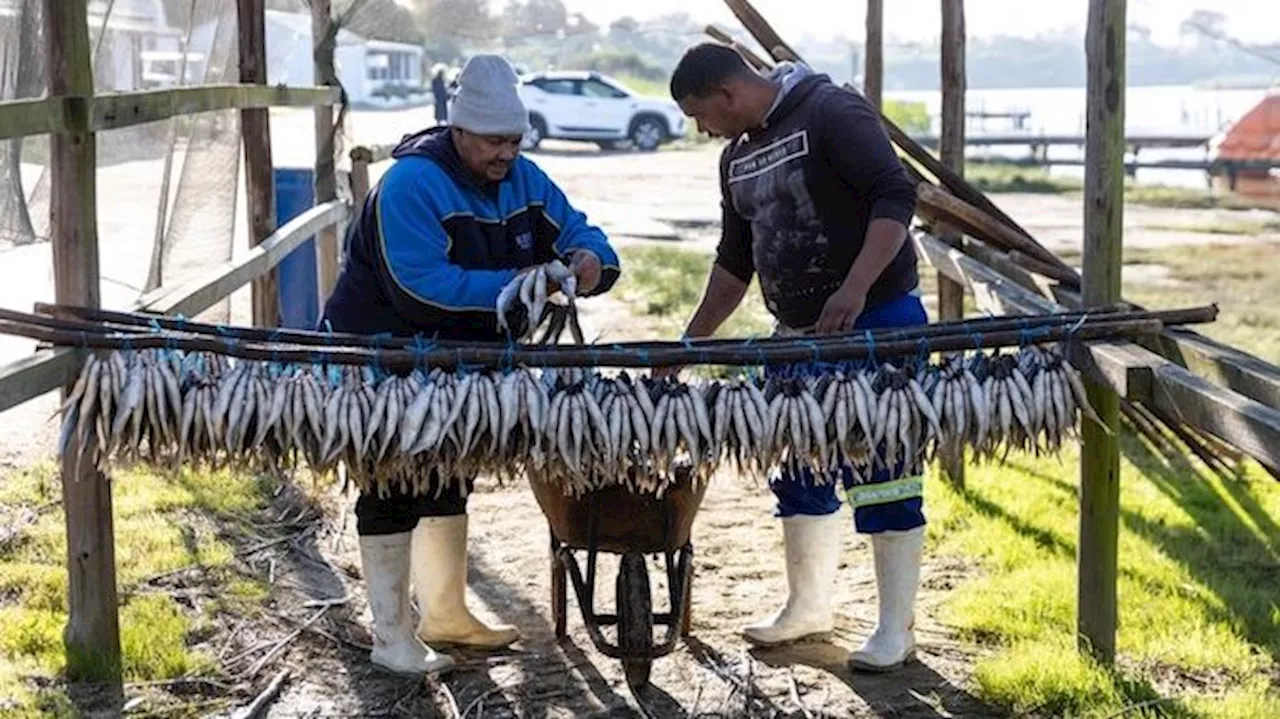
[
  {"x": 458, "y": 216},
  {"x": 816, "y": 204}
]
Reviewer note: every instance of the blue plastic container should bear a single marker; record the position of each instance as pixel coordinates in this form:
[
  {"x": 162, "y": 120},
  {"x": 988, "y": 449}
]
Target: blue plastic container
[{"x": 299, "y": 292}]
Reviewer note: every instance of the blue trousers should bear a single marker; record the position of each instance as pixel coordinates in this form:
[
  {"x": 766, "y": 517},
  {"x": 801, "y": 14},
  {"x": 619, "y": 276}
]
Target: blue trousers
[{"x": 886, "y": 501}]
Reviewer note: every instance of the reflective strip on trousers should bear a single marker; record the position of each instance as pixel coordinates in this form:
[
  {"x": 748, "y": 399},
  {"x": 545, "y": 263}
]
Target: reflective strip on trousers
[{"x": 866, "y": 495}]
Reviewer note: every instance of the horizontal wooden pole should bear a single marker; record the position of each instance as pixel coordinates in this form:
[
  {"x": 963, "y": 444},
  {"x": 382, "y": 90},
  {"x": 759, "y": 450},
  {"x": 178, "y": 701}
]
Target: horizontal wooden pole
[
  {"x": 116, "y": 110},
  {"x": 21, "y": 118},
  {"x": 201, "y": 293},
  {"x": 112, "y": 111},
  {"x": 37, "y": 374}
]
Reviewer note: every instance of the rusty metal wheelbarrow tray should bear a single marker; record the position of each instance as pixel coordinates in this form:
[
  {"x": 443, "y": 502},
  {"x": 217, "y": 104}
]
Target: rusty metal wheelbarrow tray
[{"x": 618, "y": 521}]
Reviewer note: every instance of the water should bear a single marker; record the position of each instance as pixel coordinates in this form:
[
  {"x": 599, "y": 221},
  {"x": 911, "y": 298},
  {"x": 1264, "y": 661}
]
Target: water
[{"x": 1164, "y": 110}]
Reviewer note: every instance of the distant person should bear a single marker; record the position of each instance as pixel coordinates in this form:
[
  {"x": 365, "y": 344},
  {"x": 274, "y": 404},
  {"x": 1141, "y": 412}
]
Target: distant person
[
  {"x": 440, "y": 92},
  {"x": 816, "y": 204},
  {"x": 457, "y": 217}
]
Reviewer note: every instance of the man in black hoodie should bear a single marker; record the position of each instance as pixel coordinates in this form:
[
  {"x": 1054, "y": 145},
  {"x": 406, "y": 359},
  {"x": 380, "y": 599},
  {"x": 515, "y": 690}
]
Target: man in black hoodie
[{"x": 816, "y": 204}]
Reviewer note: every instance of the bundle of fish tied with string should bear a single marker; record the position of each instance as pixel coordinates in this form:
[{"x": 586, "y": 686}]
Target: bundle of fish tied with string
[{"x": 577, "y": 429}]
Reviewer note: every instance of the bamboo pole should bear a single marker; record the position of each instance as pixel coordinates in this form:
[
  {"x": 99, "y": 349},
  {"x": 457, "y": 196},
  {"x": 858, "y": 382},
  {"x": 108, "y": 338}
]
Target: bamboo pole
[
  {"x": 950, "y": 292},
  {"x": 258, "y": 167},
  {"x": 873, "y": 56},
  {"x": 1103, "y": 226},
  {"x": 92, "y": 635}
]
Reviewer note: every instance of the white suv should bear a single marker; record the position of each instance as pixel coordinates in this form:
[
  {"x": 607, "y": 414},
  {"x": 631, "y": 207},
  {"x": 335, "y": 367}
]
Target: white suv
[{"x": 596, "y": 108}]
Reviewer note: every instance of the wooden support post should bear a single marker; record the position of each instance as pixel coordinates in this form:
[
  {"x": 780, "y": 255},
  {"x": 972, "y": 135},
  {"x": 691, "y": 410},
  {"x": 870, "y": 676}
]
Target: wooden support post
[
  {"x": 259, "y": 182},
  {"x": 950, "y": 292},
  {"x": 92, "y": 636},
  {"x": 1103, "y": 225},
  {"x": 873, "y": 63},
  {"x": 361, "y": 158},
  {"x": 324, "y": 40}
]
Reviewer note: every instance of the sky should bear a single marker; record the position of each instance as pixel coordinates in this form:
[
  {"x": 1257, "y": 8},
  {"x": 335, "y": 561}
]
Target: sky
[{"x": 1256, "y": 21}]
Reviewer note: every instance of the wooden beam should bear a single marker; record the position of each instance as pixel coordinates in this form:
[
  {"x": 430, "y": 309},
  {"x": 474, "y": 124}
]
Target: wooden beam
[
  {"x": 936, "y": 202},
  {"x": 255, "y": 128},
  {"x": 37, "y": 374},
  {"x": 92, "y": 635},
  {"x": 324, "y": 38},
  {"x": 1098, "y": 549},
  {"x": 361, "y": 158},
  {"x": 112, "y": 111},
  {"x": 950, "y": 292},
  {"x": 1247, "y": 425},
  {"x": 1239, "y": 371},
  {"x": 201, "y": 293},
  {"x": 116, "y": 110},
  {"x": 873, "y": 54},
  {"x": 23, "y": 118}
]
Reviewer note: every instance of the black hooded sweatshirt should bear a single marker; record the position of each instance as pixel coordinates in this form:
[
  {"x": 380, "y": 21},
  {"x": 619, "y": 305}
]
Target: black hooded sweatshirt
[{"x": 798, "y": 195}]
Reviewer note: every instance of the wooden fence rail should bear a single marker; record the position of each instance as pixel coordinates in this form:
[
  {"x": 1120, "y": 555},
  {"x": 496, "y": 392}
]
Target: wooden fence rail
[
  {"x": 112, "y": 111},
  {"x": 49, "y": 369}
]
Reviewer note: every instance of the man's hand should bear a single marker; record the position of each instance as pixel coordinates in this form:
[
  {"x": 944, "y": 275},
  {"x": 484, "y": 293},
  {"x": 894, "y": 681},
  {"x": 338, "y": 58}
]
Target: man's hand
[
  {"x": 586, "y": 266},
  {"x": 842, "y": 310},
  {"x": 666, "y": 372}
]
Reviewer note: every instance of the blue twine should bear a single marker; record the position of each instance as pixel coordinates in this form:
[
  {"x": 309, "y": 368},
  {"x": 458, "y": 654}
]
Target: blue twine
[{"x": 924, "y": 351}]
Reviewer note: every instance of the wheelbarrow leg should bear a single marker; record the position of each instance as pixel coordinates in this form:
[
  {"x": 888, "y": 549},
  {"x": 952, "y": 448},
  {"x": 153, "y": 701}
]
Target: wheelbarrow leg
[
  {"x": 686, "y": 617},
  {"x": 559, "y": 591}
]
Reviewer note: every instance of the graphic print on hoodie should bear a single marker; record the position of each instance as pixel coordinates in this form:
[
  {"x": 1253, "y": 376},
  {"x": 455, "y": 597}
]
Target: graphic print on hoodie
[{"x": 800, "y": 192}]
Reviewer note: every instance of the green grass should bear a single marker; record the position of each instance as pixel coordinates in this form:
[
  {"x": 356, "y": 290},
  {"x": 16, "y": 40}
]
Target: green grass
[
  {"x": 645, "y": 86},
  {"x": 161, "y": 523},
  {"x": 1199, "y": 614},
  {"x": 1252, "y": 228},
  {"x": 1238, "y": 277},
  {"x": 1199, "y": 619},
  {"x": 666, "y": 284},
  {"x": 995, "y": 178}
]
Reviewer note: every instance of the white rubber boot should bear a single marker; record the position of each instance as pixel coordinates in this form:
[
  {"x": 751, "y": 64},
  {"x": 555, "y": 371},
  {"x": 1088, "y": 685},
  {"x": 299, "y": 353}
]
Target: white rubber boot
[
  {"x": 440, "y": 583},
  {"x": 897, "y": 558},
  {"x": 813, "y": 553},
  {"x": 385, "y": 561}
]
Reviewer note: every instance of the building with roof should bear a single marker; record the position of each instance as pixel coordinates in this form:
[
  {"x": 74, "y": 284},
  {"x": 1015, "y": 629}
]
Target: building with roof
[
  {"x": 369, "y": 69},
  {"x": 1254, "y": 138}
]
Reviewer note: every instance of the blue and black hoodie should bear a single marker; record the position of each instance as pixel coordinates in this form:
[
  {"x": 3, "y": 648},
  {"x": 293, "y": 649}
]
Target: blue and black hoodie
[{"x": 434, "y": 245}]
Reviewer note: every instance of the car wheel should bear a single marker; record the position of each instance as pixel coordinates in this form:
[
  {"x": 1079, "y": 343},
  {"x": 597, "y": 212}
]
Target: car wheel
[
  {"x": 536, "y": 134},
  {"x": 647, "y": 134}
]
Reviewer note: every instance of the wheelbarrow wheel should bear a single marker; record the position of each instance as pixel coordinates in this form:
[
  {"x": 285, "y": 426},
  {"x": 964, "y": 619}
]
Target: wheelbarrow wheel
[{"x": 635, "y": 620}]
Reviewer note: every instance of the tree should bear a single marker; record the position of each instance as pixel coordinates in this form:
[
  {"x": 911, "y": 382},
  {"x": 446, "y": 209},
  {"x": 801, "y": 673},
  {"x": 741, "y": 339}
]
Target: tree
[
  {"x": 385, "y": 20},
  {"x": 534, "y": 17},
  {"x": 1204, "y": 25},
  {"x": 582, "y": 25},
  {"x": 450, "y": 20}
]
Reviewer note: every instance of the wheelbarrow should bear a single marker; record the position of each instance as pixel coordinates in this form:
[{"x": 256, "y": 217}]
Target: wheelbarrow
[{"x": 619, "y": 521}]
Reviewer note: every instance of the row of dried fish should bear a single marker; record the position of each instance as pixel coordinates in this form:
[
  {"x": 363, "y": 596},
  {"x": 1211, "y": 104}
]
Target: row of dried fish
[{"x": 580, "y": 430}]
